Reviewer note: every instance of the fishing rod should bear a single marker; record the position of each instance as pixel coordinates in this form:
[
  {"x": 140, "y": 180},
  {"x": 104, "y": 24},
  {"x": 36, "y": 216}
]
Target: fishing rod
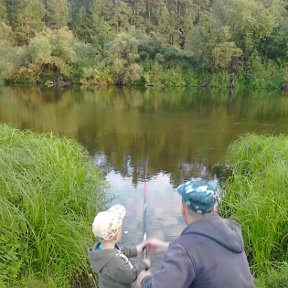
[{"x": 145, "y": 210}]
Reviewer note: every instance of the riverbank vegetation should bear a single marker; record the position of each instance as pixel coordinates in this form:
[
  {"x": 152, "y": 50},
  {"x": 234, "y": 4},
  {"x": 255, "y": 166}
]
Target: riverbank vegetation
[
  {"x": 143, "y": 42},
  {"x": 256, "y": 197},
  {"x": 50, "y": 191}
]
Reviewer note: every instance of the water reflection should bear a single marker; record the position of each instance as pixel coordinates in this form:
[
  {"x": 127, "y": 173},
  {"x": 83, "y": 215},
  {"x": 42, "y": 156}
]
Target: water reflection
[
  {"x": 177, "y": 134},
  {"x": 184, "y": 132},
  {"x": 163, "y": 216}
]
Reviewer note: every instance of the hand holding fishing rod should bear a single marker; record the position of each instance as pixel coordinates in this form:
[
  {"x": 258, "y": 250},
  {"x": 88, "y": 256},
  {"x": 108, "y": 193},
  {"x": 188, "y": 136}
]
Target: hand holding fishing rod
[
  {"x": 155, "y": 246},
  {"x": 140, "y": 249}
]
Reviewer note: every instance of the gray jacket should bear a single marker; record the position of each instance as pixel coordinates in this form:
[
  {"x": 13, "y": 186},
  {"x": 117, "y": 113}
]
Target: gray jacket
[
  {"x": 113, "y": 266},
  {"x": 208, "y": 254}
]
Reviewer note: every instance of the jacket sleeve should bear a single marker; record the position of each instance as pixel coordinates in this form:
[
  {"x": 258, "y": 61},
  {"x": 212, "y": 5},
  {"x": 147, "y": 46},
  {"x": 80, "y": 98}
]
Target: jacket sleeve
[
  {"x": 129, "y": 251},
  {"x": 178, "y": 270},
  {"x": 123, "y": 271}
]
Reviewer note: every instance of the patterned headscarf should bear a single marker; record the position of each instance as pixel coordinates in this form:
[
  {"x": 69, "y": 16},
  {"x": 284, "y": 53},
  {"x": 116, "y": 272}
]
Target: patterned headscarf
[
  {"x": 199, "y": 195},
  {"x": 106, "y": 223}
]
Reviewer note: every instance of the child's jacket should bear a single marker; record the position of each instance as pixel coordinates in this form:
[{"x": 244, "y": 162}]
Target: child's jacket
[{"x": 113, "y": 266}]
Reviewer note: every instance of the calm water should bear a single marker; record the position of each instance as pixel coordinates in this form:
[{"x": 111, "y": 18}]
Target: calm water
[{"x": 169, "y": 136}]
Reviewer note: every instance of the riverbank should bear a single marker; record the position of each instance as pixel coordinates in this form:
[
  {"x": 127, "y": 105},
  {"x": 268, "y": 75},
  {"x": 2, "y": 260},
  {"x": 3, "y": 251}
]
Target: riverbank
[
  {"x": 71, "y": 64},
  {"x": 256, "y": 196},
  {"x": 235, "y": 43},
  {"x": 50, "y": 191}
]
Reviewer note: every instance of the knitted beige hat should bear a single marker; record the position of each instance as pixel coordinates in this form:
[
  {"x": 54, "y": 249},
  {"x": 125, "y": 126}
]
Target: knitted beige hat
[{"x": 106, "y": 223}]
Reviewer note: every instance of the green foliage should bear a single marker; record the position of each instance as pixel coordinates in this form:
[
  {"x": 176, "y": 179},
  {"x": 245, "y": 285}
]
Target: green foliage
[
  {"x": 256, "y": 197},
  {"x": 220, "y": 79},
  {"x": 56, "y": 13},
  {"x": 276, "y": 278},
  {"x": 229, "y": 34},
  {"x": 92, "y": 76},
  {"x": 121, "y": 55},
  {"x": 224, "y": 53},
  {"x": 3, "y": 11},
  {"x": 82, "y": 19},
  {"x": 165, "y": 77},
  {"x": 265, "y": 75},
  {"x": 26, "y": 18},
  {"x": 50, "y": 54},
  {"x": 125, "y": 39},
  {"x": 50, "y": 190},
  {"x": 40, "y": 48}
]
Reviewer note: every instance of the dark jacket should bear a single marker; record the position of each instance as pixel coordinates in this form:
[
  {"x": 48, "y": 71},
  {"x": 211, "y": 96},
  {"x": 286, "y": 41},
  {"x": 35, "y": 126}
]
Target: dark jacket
[
  {"x": 208, "y": 254},
  {"x": 113, "y": 266}
]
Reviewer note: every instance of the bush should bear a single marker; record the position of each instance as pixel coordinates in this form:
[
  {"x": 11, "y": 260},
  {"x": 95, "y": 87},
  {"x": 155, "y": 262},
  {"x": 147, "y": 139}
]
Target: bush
[
  {"x": 265, "y": 74},
  {"x": 50, "y": 192},
  {"x": 162, "y": 76}
]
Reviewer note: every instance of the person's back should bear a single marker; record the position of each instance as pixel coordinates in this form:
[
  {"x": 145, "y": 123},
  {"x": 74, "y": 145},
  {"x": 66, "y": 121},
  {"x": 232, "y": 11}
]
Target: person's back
[
  {"x": 113, "y": 267},
  {"x": 111, "y": 263},
  {"x": 209, "y": 253},
  {"x": 216, "y": 251}
]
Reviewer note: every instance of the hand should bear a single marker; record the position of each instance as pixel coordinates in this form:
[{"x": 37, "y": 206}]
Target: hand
[
  {"x": 147, "y": 262},
  {"x": 141, "y": 276},
  {"x": 140, "y": 247},
  {"x": 156, "y": 246}
]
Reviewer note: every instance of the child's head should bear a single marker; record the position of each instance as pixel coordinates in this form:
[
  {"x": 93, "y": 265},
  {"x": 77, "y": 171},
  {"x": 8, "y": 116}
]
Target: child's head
[{"x": 108, "y": 224}]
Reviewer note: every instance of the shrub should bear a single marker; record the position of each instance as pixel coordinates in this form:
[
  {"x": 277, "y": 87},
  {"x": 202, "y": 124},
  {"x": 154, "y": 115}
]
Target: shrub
[{"x": 163, "y": 76}]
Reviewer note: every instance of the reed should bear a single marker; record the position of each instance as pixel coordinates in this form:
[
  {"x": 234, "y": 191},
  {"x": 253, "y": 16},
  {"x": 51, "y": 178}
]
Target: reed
[
  {"x": 50, "y": 191},
  {"x": 256, "y": 196}
]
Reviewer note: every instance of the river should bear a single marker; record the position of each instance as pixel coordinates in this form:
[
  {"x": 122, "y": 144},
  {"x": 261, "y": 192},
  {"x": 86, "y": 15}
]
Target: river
[{"x": 153, "y": 136}]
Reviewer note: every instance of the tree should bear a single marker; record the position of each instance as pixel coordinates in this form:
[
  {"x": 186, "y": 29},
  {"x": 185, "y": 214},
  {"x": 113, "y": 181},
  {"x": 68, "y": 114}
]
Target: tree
[
  {"x": 249, "y": 20},
  {"x": 26, "y": 18},
  {"x": 226, "y": 54},
  {"x": 3, "y": 11},
  {"x": 186, "y": 12},
  {"x": 275, "y": 46},
  {"x": 82, "y": 19},
  {"x": 138, "y": 11},
  {"x": 40, "y": 47},
  {"x": 248, "y": 23},
  {"x": 165, "y": 23},
  {"x": 122, "y": 53},
  {"x": 149, "y": 5},
  {"x": 56, "y": 13},
  {"x": 118, "y": 15}
]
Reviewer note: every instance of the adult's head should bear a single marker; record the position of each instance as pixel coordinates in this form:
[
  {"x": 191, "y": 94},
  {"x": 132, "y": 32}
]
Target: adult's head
[
  {"x": 107, "y": 225},
  {"x": 198, "y": 198}
]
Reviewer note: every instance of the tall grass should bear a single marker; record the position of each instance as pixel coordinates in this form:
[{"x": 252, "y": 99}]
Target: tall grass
[
  {"x": 50, "y": 191},
  {"x": 274, "y": 278},
  {"x": 257, "y": 197}
]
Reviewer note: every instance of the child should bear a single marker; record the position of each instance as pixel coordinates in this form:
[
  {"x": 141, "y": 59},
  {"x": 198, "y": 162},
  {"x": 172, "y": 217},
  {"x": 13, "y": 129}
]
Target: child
[{"x": 106, "y": 258}]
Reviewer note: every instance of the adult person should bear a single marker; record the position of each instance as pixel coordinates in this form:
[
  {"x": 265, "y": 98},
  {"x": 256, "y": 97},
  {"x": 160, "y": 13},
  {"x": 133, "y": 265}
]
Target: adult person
[{"x": 209, "y": 253}]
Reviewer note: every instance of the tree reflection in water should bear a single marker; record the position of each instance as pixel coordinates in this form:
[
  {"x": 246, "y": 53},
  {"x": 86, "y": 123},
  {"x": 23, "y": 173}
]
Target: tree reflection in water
[{"x": 181, "y": 133}]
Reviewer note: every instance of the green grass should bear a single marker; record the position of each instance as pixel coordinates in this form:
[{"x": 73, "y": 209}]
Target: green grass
[
  {"x": 50, "y": 191},
  {"x": 274, "y": 278},
  {"x": 257, "y": 197}
]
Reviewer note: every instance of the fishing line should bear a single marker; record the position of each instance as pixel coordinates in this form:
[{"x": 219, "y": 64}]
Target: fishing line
[{"x": 145, "y": 210}]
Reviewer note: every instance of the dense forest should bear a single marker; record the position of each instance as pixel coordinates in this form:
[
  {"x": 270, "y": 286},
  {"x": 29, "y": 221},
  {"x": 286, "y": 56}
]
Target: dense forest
[{"x": 217, "y": 43}]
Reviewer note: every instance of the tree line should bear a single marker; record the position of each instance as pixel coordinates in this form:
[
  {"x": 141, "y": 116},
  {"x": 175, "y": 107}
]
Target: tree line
[{"x": 220, "y": 43}]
